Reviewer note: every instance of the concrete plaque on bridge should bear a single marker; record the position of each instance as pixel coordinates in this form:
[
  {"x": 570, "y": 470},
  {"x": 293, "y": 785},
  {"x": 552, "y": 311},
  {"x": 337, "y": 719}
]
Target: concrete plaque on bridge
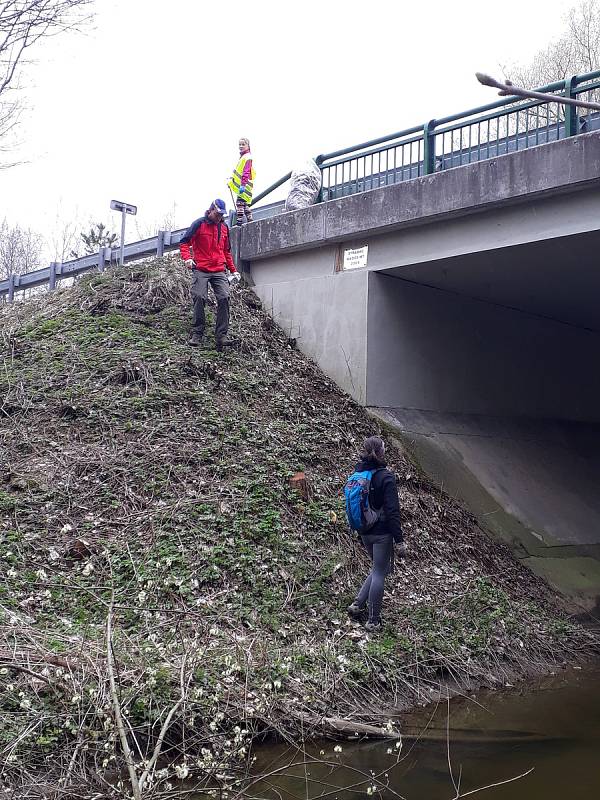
[{"x": 356, "y": 257}]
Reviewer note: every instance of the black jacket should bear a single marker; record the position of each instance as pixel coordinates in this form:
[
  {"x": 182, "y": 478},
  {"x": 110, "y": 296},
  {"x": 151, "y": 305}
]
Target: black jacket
[{"x": 384, "y": 494}]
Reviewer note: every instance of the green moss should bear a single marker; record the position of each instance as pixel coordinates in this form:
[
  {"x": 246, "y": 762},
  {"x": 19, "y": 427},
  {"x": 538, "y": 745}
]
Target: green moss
[{"x": 7, "y": 502}]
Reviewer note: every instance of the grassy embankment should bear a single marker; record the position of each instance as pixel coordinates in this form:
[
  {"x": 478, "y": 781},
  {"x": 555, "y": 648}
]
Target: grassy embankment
[{"x": 146, "y": 485}]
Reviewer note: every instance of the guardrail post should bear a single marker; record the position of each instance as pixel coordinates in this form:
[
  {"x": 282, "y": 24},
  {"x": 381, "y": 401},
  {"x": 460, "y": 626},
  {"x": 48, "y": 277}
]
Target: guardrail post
[
  {"x": 52, "y": 276},
  {"x": 160, "y": 243},
  {"x": 11, "y": 287},
  {"x": 429, "y": 147},
  {"x": 571, "y": 116},
  {"x": 101, "y": 259}
]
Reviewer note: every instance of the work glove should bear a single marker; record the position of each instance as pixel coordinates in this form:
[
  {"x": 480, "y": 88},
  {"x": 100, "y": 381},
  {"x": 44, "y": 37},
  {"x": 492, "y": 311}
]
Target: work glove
[
  {"x": 401, "y": 550},
  {"x": 241, "y": 193},
  {"x": 234, "y": 278},
  {"x": 190, "y": 263}
]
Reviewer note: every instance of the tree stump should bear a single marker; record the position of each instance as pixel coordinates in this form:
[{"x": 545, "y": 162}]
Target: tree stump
[{"x": 299, "y": 483}]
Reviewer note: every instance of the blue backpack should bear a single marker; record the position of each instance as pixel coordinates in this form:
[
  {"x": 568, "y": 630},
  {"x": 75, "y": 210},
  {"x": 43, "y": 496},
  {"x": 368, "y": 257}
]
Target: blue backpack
[{"x": 361, "y": 517}]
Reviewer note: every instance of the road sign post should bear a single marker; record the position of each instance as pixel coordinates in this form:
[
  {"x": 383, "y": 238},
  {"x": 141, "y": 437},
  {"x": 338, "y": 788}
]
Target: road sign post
[{"x": 124, "y": 208}]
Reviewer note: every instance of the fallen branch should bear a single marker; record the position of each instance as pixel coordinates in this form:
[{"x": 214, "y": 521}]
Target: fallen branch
[
  {"x": 135, "y": 785},
  {"x": 347, "y": 727}
]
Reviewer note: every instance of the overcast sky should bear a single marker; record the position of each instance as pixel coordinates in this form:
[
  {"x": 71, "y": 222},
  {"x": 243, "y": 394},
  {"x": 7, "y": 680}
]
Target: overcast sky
[{"x": 148, "y": 104}]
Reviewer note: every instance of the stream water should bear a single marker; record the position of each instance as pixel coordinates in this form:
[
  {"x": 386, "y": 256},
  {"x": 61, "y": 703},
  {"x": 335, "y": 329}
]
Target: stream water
[{"x": 552, "y": 728}]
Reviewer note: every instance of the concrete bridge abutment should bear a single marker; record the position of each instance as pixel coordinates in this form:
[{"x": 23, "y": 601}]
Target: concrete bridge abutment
[{"x": 473, "y": 329}]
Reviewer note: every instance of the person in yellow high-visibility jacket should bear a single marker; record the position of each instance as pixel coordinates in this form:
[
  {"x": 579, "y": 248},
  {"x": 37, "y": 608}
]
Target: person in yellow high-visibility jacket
[{"x": 241, "y": 183}]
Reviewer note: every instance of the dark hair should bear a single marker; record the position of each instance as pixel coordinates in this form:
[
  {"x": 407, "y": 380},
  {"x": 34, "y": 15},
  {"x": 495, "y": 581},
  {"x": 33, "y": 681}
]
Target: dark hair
[{"x": 373, "y": 450}]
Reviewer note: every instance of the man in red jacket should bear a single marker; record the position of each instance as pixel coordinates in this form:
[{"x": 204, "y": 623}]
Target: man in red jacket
[{"x": 206, "y": 250}]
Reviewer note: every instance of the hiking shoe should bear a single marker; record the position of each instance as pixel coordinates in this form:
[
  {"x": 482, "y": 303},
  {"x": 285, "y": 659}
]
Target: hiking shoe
[
  {"x": 221, "y": 344},
  {"x": 195, "y": 340},
  {"x": 355, "y": 611},
  {"x": 373, "y": 627}
]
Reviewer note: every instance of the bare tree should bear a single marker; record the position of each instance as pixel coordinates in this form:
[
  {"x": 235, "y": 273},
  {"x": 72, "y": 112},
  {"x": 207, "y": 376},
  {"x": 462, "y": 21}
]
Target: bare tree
[
  {"x": 64, "y": 239},
  {"x": 20, "y": 249},
  {"x": 166, "y": 222},
  {"x": 22, "y": 24},
  {"x": 575, "y": 51}
]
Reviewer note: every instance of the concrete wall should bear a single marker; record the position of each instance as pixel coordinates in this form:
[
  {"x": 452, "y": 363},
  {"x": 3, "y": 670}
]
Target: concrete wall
[
  {"x": 474, "y": 330},
  {"x": 521, "y": 178},
  {"x": 438, "y": 351},
  {"x": 325, "y": 312}
]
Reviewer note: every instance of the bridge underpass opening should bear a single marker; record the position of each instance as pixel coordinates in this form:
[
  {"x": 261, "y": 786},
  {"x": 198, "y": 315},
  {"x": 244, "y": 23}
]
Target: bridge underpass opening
[{"x": 487, "y": 364}]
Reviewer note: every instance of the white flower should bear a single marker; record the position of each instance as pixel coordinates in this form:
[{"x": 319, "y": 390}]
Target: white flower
[
  {"x": 47, "y": 594},
  {"x": 76, "y": 698},
  {"x": 142, "y": 596},
  {"x": 88, "y": 569},
  {"x": 182, "y": 771},
  {"x": 337, "y": 748},
  {"x": 66, "y": 528},
  {"x": 53, "y": 554},
  {"x": 12, "y": 573}
]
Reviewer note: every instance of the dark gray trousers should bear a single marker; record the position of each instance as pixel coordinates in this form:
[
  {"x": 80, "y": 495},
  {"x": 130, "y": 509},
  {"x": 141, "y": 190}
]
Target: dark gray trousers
[
  {"x": 220, "y": 287},
  {"x": 380, "y": 548}
]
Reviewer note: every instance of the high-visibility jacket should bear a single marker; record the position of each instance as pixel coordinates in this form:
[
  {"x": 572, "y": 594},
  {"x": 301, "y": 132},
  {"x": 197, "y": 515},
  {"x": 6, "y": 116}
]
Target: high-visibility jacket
[{"x": 242, "y": 184}]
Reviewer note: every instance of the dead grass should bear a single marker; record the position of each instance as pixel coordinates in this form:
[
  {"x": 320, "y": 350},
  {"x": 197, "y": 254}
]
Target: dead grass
[{"x": 146, "y": 477}]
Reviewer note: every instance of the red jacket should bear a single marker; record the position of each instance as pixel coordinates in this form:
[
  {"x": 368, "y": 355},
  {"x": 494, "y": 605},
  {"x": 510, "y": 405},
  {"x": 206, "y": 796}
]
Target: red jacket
[{"x": 208, "y": 244}]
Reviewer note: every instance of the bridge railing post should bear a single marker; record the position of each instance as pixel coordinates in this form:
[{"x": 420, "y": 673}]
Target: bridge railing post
[
  {"x": 429, "y": 147},
  {"x": 571, "y": 117}
]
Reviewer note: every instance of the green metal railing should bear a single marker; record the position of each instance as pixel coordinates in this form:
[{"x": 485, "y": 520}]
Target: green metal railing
[{"x": 480, "y": 133}]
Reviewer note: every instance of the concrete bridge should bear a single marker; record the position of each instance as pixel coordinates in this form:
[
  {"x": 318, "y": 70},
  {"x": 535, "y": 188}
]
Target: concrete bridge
[{"x": 463, "y": 307}]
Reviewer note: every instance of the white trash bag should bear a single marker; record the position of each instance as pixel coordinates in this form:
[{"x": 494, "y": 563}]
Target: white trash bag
[{"x": 305, "y": 186}]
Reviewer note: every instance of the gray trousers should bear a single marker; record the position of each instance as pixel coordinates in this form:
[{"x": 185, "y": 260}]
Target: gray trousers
[
  {"x": 199, "y": 289},
  {"x": 380, "y": 548}
]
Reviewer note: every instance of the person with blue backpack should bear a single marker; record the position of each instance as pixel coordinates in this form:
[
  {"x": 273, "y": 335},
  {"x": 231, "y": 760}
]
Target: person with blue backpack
[{"x": 373, "y": 511}]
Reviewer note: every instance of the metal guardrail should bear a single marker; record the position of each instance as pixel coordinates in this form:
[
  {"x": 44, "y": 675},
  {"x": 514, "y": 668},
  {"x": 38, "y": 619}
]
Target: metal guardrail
[
  {"x": 155, "y": 245},
  {"x": 480, "y": 133}
]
